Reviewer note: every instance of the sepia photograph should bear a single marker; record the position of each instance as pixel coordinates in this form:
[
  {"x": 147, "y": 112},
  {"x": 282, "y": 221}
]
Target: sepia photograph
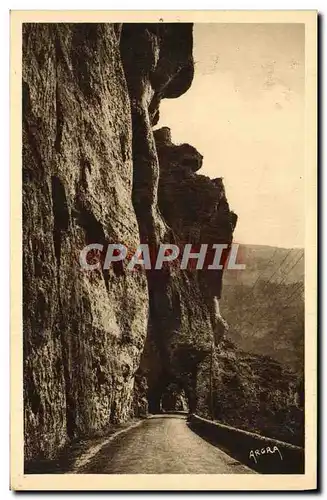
[{"x": 164, "y": 250}]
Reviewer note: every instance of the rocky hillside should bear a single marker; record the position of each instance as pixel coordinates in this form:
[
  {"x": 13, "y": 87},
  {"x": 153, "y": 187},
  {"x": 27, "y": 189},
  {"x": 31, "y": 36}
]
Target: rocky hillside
[
  {"x": 252, "y": 392},
  {"x": 101, "y": 346},
  {"x": 267, "y": 263},
  {"x": 264, "y": 304}
]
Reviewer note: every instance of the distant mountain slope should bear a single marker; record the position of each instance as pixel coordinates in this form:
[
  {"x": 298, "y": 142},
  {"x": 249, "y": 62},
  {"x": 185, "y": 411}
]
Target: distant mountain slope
[
  {"x": 264, "y": 304},
  {"x": 266, "y": 262}
]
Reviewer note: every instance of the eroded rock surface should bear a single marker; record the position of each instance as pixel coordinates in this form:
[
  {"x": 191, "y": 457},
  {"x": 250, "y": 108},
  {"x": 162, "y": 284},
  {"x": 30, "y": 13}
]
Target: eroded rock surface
[
  {"x": 184, "y": 304},
  {"x": 94, "y": 172},
  {"x": 83, "y": 331}
]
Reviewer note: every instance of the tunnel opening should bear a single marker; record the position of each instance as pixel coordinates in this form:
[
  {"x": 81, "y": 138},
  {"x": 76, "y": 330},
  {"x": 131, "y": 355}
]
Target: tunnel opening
[
  {"x": 169, "y": 397},
  {"x": 173, "y": 399}
]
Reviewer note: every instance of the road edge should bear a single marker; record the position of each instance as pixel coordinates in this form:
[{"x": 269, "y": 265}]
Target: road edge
[{"x": 85, "y": 458}]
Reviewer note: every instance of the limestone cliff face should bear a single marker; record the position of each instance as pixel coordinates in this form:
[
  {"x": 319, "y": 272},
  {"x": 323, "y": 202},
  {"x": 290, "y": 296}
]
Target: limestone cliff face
[
  {"x": 83, "y": 331},
  {"x": 158, "y": 64},
  {"x": 184, "y": 304},
  {"x": 194, "y": 206},
  {"x": 94, "y": 172}
]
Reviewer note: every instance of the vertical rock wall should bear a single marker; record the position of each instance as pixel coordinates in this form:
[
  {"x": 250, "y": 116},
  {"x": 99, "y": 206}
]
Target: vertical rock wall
[
  {"x": 158, "y": 64},
  {"x": 94, "y": 172},
  {"x": 186, "y": 323},
  {"x": 83, "y": 331}
]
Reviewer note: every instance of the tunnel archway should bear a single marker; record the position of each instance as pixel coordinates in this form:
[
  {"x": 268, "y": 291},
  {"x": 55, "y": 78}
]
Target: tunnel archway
[
  {"x": 174, "y": 398},
  {"x": 173, "y": 394}
]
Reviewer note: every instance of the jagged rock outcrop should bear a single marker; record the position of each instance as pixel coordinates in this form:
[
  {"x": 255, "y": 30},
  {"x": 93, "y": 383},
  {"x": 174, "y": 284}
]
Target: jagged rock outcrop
[
  {"x": 158, "y": 63},
  {"x": 184, "y": 304},
  {"x": 194, "y": 205}
]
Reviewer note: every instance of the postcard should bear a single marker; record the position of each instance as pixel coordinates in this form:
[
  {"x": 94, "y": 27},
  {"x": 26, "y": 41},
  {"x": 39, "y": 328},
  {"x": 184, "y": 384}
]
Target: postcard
[{"x": 163, "y": 250}]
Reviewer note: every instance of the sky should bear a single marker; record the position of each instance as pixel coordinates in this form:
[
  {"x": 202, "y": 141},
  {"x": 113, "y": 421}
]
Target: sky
[{"x": 244, "y": 113}]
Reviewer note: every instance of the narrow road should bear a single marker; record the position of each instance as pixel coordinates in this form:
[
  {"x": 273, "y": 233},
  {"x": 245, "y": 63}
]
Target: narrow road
[{"x": 162, "y": 444}]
